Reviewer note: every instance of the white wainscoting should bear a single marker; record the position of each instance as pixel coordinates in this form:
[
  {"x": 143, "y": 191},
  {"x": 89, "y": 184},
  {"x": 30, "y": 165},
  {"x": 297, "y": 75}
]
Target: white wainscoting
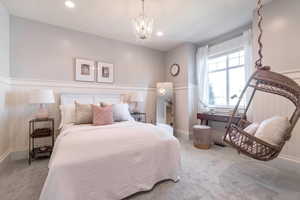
[
  {"x": 4, "y": 121},
  {"x": 185, "y": 110},
  {"x": 4, "y": 80},
  {"x": 21, "y": 112},
  {"x": 294, "y": 74},
  {"x": 181, "y": 112}
]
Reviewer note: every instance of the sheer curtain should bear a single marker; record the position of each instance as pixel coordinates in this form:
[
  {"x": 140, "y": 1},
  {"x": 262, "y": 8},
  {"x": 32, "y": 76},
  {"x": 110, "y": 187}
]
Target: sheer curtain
[
  {"x": 243, "y": 41},
  {"x": 247, "y": 43},
  {"x": 202, "y": 78},
  {"x": 249, "y": 65}
]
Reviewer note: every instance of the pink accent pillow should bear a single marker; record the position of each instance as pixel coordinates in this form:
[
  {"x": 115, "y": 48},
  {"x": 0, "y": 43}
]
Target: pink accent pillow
[{"x": 102, "y": 115}]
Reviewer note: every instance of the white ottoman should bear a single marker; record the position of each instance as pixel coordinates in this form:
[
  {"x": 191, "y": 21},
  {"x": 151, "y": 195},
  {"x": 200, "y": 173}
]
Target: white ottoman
[{"x": 202, "y": 136}]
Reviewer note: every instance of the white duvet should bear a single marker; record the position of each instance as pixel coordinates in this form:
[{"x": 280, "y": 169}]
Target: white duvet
[{"x": 110, "y": 162}]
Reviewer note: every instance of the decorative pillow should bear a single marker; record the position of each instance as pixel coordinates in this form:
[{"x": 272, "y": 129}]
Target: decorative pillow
[
  {"x": 121, "y": 112},
  {"x": 83, "y": 113},
  {"x": 67, "y": 113},
  {"x": 272, "y": 130},
  {"x": 103, "y": 104},
  {"x": 102, "y": 115}
]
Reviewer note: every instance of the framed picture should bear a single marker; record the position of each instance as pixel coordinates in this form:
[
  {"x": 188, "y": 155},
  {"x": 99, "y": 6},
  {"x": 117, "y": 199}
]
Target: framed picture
[
  {"x": 84, "y": 70},
  {"x": 105, "y": 72}
]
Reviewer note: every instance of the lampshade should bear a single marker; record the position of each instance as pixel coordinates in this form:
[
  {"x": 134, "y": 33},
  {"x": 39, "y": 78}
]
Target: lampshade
[
  {"x": 136, "y": 97},
  {"x": 41, "y": 97}
]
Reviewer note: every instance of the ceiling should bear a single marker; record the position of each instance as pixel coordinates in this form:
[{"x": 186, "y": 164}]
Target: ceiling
[{"x": 180, "y": 20}]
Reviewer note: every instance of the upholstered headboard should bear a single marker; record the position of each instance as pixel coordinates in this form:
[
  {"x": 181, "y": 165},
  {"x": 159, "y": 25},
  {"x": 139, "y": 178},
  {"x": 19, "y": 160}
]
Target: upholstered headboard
[{"x": 89, "y": 98}]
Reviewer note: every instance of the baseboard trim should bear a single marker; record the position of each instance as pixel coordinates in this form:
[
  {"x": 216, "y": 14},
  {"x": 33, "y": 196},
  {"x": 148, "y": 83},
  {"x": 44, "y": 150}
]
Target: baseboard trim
[
  {"x": 290, "y": 158},
  {"x": 19, "y": 155},
  {"x": 4, "y": 156},
  {"x": 4, "y": 160},
  {"x": 182, "y": 134}
]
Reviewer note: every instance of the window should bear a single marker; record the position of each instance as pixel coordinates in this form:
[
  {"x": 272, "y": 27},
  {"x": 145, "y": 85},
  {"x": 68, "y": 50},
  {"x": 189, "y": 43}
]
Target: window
[{"x": 226, "y": 79}]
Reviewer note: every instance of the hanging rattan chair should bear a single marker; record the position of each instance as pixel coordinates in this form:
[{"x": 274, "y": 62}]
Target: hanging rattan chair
[{"x": 269, "y": 82}]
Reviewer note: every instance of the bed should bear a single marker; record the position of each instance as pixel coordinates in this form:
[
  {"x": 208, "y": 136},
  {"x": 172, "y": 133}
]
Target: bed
[{"x": 109, "y": 162}]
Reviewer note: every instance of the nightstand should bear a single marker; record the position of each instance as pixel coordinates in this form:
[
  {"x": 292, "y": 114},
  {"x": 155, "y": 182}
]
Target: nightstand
[
  {"x": 36, "y": 133},
  {"x": 140, "y": 117}
]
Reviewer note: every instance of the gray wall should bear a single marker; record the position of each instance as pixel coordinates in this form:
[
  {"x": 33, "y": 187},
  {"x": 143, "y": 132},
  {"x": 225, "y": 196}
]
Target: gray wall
[
  {"x": 281, "y": 34},
  {"x": 41, "y": 51},
  {"x": 184, "y": 55},
  {"x": 4, "y": 41},
  {"x": 185, "y": 106}
]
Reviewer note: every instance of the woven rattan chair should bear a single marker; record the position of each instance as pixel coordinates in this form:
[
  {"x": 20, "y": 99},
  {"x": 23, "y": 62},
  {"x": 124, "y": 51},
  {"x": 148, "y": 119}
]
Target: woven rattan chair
[{"x": 269, "y": 82}]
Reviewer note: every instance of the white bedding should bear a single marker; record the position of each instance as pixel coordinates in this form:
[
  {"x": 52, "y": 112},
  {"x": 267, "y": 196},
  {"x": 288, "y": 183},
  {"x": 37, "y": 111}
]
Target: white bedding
[{"x": 110, "y": 162}]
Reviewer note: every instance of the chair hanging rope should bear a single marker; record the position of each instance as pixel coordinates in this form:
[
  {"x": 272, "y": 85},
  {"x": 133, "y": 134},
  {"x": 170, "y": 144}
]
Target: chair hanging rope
[
  {"x": 258, "y": 63},
  {"x": 269, "y": 82}
]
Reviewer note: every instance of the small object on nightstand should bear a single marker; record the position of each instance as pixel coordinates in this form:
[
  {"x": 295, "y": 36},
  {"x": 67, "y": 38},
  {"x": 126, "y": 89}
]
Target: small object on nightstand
[
  {"x": 35, "y": 133},
  {"x": 41, "y": 97},
  {"x": 140, "y": 117},
  {"x": 136, "y": 98}
]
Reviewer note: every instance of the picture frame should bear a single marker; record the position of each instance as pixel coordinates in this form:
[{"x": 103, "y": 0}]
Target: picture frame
[
  {"x": 105, "y": 72},
  {"x": 84, "y": 70}
]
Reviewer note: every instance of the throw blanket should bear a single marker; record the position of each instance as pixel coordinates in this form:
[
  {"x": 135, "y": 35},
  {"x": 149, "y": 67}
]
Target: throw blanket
[{"x": 110, "y": 162}]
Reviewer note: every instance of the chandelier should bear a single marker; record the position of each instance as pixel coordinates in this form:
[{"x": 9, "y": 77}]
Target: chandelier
[{"x": 143, "y": 25}]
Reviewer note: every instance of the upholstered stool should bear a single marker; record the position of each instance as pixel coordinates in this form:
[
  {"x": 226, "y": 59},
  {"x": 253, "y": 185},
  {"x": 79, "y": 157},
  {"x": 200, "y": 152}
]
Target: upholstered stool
[{"x": 202, "y": 136}]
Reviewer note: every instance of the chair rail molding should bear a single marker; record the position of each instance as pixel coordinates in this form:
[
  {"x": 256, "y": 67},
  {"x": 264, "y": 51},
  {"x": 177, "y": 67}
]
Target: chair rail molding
[
  {"x": 71, "y": 84},
  {"x": 294, "y": 74},
  {"x": 5, "y": 80}
]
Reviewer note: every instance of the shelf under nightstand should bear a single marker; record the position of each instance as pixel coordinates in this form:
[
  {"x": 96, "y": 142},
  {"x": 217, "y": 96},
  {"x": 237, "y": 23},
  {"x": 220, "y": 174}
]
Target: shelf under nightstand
[{"x": 45, "y": 151}]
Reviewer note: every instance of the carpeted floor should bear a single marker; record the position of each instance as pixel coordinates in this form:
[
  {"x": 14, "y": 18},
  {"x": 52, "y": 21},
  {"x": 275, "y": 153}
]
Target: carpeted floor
[{"x": 219, "y": 173}]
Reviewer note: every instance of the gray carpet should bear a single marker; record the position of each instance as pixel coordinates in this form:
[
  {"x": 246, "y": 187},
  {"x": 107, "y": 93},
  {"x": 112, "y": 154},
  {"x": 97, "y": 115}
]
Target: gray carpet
[{"x": 219, "y": 173}]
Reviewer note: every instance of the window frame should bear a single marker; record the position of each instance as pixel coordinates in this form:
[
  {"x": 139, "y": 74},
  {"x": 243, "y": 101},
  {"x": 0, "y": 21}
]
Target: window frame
[{"x": 227, "y": 69}]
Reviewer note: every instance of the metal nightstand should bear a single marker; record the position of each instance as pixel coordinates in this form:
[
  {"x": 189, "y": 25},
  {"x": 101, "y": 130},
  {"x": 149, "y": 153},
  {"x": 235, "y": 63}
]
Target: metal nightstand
[
  {"x": 34, "y": 133},
  {"x": 140, "y": 117}
]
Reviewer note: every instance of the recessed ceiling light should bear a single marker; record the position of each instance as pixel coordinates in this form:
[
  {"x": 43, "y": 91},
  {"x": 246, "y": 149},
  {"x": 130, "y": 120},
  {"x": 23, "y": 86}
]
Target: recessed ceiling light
[
  {"x": 69, "y": 4},
  {"x": 159, "y": 33}
]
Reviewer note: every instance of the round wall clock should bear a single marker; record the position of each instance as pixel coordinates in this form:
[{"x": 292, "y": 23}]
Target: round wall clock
[{"x": 174, "y": 69}]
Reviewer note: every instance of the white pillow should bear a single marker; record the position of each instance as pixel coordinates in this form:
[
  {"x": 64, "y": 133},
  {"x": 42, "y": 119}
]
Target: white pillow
[
  {"x": 67, "y": 113},
  {"x": 252, "y": 128},
  {"x": 121, "y": 112},
  {"x": 273, "y": 130}
]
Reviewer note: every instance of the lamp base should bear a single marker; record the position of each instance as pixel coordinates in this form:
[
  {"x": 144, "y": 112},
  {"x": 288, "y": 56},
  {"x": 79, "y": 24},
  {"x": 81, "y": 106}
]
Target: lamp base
[
  {"x": 42, "y": 113},
  {"x": 135, "y": 109}
]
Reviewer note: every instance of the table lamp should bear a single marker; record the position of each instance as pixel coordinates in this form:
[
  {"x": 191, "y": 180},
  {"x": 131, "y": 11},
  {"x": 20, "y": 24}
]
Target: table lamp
[
  {"x": 41, "y": 97},
  {"x": 136, "y": 98}
]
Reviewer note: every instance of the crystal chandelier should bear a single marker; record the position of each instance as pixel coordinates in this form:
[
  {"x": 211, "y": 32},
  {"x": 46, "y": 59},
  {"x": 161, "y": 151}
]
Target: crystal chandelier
[{"x": 143, "y": 25}]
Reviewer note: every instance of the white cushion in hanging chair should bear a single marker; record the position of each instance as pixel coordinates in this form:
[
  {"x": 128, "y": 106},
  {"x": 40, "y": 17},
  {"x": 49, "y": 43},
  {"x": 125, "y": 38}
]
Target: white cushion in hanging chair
[
  {"x": 252, "y": 128},
  {"x": 273, "y": 130}
]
